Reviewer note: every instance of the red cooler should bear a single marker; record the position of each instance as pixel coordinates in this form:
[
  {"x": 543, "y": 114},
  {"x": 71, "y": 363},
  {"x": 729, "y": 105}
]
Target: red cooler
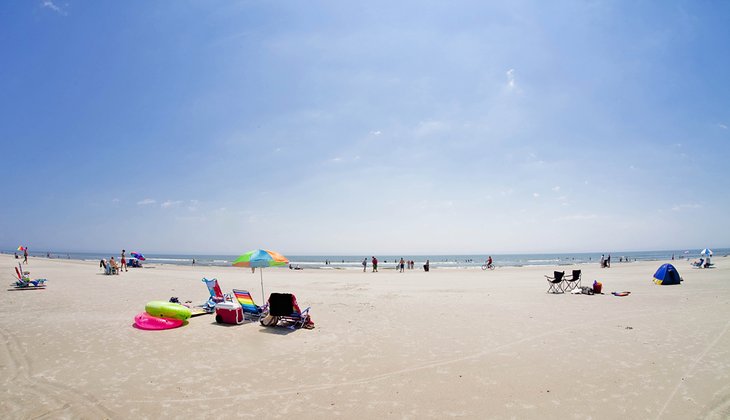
[{"x": 228, "y": 313}]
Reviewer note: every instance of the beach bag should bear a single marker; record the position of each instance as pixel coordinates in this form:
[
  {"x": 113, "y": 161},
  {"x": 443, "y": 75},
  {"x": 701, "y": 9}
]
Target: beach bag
[
  {"x": 597, "y": 286},
  {"x": 270, "y": 321}
]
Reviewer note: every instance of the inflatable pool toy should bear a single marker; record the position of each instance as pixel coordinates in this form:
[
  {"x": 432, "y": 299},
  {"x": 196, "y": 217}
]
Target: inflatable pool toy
[
  {"x": 162, "y": 309},
  {"x": 620, "y": 293},
  {"x": 146, "y": 321}
]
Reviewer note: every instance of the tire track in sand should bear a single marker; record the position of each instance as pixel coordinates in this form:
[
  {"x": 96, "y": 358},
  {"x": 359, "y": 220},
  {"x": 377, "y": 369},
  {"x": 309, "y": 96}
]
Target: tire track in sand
[{"x": 70, "y": 401}]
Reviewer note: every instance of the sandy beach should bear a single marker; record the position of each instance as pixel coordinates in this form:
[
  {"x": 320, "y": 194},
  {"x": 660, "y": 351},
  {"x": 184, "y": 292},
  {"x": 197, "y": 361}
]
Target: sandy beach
[{"x": 447, "y": 343}]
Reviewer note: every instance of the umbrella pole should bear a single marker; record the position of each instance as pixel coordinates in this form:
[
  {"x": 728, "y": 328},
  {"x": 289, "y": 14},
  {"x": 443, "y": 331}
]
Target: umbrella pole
[{"x": 261, "y": 272}]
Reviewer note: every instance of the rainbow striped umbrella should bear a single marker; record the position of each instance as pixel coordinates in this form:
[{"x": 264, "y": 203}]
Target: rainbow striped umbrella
[
  {"x": 261, "y": 258},
  {"x": 138, "y": 256}
]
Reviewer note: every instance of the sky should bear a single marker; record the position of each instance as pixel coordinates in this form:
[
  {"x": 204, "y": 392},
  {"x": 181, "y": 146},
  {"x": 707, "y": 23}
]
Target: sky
[{"x": 379, "y": 127}]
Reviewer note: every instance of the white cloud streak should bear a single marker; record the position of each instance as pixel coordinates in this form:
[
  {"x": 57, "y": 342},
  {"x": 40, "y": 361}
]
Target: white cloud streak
[
  {"x": 511, "y": 78},
  {"x": 49, "y": 4},
  {"x": 146, "y": 202},
  {"x": 170, "y": 203}
]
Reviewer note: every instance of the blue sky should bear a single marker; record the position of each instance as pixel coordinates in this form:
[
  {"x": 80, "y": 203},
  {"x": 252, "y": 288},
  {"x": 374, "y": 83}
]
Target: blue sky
[{"x": 379, "y": 127}]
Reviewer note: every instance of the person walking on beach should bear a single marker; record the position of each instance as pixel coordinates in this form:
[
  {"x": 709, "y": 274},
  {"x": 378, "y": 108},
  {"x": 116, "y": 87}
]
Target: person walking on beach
[
  {"x": 375, "y": 265},
  {"x": 364, "y": 264},
  {"x": 426, "y": 266},
  {"x": 25, "y": 255},
  {"x": 608, "y": 261},
  {"x": 193, "y": 261},
  {"x": 402, "y": 264},
  {"x": 123, "y": 263}
]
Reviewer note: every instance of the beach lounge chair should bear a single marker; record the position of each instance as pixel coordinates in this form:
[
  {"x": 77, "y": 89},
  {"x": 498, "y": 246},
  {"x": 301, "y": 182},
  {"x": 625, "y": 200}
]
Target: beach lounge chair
[
  {"x": 216, "y": 295},
  {"x": 24, "y": 280},
  {"x": 572, "y": 282},
  {"x": 284, "y": 307},
  {"x": 107, "y": 268},
  {"x": 556, "y": 282},
  {"x": 250, "y": 309}
]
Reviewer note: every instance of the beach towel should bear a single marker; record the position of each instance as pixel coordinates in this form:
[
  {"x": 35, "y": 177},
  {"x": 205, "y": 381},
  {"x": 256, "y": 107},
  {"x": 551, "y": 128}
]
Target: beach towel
[{"x": 620, "y": 293}]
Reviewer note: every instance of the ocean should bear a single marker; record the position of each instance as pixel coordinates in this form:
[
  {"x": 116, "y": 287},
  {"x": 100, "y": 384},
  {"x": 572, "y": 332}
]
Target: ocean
[{"x": 354, "y": 262}]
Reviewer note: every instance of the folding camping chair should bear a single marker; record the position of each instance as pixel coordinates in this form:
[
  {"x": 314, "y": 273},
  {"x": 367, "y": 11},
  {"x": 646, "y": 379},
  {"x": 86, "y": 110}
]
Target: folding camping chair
[
  {"x": 555, "y": 282},
  {"x": 216, "y": 295},
  {"x": 573, "y": 281},
  {"x": 284, "y": 307},
  {"x": 250, "y": 309}
]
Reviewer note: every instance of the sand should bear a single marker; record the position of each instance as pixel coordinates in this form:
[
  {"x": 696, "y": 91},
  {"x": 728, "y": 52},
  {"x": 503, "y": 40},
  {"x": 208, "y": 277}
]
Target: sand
[{"x": 464, "y": 343}]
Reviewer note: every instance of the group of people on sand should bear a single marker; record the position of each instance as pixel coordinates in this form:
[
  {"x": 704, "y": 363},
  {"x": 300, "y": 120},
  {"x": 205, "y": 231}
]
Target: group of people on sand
[
  {"x": 606, "y": 261},
  {"x": 25, "y": 255},
  {"x": 111, "y": 266},
  {"x": 400, "y": 265}
]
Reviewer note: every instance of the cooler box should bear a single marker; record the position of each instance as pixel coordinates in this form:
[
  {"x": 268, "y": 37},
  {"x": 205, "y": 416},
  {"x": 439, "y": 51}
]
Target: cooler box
[{"x": 228, "y": 313}]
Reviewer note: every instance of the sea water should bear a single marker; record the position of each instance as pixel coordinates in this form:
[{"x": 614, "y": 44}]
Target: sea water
[{"x": 354, "y": 262}]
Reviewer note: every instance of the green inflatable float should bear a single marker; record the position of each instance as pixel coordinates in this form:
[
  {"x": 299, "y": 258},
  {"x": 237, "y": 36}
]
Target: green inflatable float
[{"x": 160, "y": 308}]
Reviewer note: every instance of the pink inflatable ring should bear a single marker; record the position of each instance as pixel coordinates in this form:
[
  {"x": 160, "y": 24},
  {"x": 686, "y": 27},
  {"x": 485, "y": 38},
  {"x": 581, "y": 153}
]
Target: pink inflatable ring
[{"x": 145, "y": 321}]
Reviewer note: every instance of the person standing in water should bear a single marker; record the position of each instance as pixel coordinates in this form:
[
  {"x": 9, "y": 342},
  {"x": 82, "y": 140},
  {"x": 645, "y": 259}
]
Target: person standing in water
[{"x": 364, "y": 264}]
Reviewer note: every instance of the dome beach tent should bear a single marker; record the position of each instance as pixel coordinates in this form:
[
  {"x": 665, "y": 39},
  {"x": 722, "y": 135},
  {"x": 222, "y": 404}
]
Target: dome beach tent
[{"x": 667, "y": 274}]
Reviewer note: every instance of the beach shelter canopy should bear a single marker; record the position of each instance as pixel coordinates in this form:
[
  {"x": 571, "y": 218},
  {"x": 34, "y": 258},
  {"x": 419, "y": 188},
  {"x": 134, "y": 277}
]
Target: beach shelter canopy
[
  {"x": 667, "y": 274},
  {"x": 138, "y": 256}
]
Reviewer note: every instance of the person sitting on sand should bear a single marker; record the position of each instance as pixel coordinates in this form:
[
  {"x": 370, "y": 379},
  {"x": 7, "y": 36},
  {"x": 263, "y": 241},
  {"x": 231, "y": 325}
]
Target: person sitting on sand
[{"x": 114, "y": 266}]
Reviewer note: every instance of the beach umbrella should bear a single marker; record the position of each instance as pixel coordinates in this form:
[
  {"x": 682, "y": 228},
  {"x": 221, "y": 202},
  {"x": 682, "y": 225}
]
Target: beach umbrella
[
  {"x": 261, "y": 258},
  {"x": 138, "y": 256},
  {"x": 21, "y": 248},
  {"x": 706, "y": 252}
]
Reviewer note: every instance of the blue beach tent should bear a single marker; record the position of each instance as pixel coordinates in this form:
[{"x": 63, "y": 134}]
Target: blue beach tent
[{"x": 667, "y": 274}]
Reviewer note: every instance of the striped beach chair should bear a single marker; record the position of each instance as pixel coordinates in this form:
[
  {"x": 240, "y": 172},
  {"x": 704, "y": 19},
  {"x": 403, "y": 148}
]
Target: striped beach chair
[{"x": 250, "y": 309}]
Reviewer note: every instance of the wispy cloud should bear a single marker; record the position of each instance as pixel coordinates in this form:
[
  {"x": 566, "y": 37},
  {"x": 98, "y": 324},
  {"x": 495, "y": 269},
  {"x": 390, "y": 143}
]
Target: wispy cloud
[
  {"x": 721, "y": 125},
  {"x": 376, "y": 132},
  {"x": 49, "y": 4},
  {"x": 556, "y": 188},
  {"x": 170, "y": 203},
  {"x": 681, "y": 207},
  {"x": 146, "y": 202},
  {"x": 426, "y": 128},
  {"x": 536, "y": 195},
  {"x": 511, "y": 78},
  {"x": 579, "y": 216}
]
